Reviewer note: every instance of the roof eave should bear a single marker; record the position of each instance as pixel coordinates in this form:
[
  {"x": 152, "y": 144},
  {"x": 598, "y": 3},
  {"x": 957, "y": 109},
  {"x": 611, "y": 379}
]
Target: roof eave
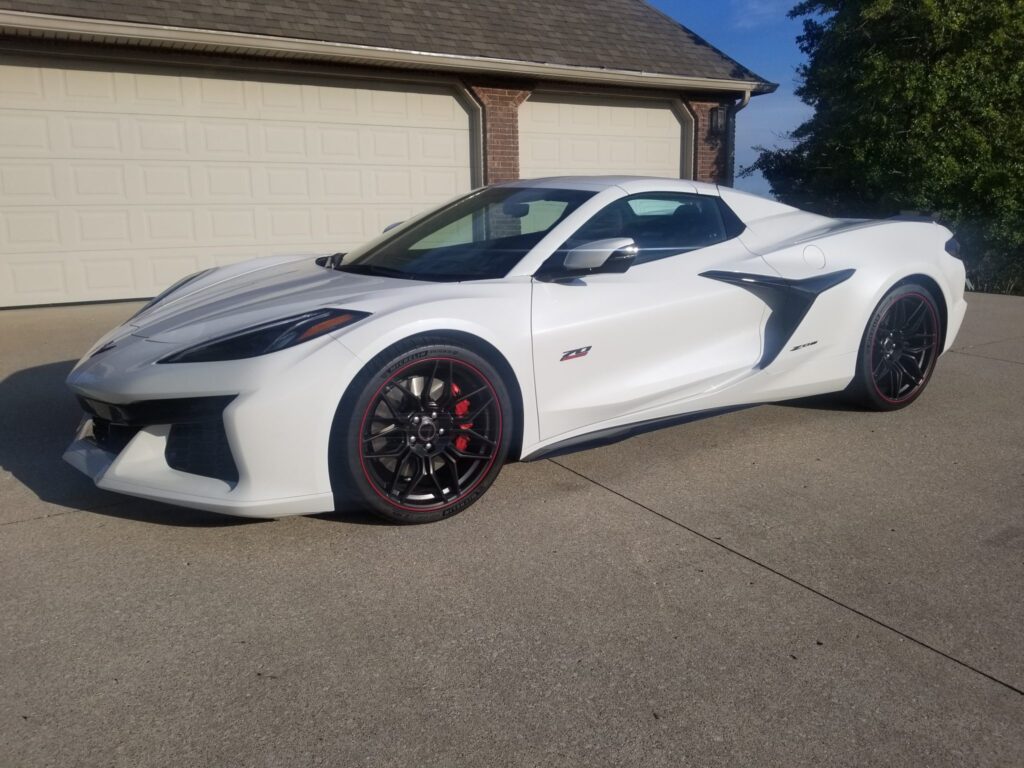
[{"x": 110, "y": 31}]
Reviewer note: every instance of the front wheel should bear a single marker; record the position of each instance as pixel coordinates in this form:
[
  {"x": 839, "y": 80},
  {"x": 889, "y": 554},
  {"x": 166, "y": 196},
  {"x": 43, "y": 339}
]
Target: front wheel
[
  {"x": 899, "y": 349},
  {"x": 422, "y": 433}
]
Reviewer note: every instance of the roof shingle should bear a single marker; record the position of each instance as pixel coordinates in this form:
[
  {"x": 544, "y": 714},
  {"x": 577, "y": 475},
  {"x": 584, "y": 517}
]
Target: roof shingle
[{"x": 624, "y": 35}]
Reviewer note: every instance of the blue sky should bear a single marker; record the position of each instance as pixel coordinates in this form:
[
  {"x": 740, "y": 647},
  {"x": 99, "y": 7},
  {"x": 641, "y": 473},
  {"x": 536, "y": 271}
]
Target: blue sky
[{"x": 758, "y": 35}]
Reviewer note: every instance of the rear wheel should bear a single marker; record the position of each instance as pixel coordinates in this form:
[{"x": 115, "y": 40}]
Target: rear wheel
[
  {"x": 899, "y": 349},
  {"x": 422, "y": 433}
]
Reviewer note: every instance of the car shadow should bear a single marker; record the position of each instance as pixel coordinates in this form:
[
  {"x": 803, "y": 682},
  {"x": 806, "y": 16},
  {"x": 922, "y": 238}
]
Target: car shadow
[
  {"x": 352, "y": 517},
  {"x": 38, "y": 416},
  {"x": 832, "y": 402}
]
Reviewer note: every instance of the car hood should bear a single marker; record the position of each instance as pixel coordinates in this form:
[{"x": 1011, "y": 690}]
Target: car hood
[{"x": 240, "y": 296}]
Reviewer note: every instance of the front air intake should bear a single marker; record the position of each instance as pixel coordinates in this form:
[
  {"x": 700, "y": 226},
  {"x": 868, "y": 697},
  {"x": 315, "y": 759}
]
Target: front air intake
[
  {"x": 201, "y": 448},
  {"x": 197, "y": 443}
]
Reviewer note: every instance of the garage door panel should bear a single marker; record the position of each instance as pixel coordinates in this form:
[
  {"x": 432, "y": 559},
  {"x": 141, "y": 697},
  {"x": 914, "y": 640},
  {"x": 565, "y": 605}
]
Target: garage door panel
[
  {"x": 659, "y": 152},
  {"x": 113, "y": 184},
  {"x": 40, "y": 280},
  {"x": 20, "y": 86},
  {"x": 105, "y": 183},
  {"x": 27, "y": 182},
  {"x": 53, "y": 135},
  {"x": 29, "y": 229},
  {"x": 142, "y": 93},
  {"x": 568, "y": 134},
  {"x": 25, "y": 133},
  {"x": 98, "y": 227}
]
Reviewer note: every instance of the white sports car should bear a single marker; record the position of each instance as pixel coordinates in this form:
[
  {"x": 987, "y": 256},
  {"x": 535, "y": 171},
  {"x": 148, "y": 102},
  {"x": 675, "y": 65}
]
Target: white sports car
[{"x": 514, "y": 322}]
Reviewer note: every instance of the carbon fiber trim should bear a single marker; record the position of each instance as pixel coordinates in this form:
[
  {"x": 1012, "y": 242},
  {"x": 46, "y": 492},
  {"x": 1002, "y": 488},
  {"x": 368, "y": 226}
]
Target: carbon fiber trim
[
  {"x": 186, "y": 410},
  {"x": 789, "y": 301},
  {"x": 616, "y": 434}
]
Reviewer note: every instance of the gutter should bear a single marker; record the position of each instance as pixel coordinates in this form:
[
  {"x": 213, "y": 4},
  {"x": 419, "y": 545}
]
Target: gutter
[
  {"x": 730, "y": 132},
  {"x": 101, "y": 30}
]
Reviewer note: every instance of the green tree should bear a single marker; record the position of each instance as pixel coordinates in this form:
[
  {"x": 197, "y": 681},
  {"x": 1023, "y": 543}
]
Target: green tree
[{"x": 918, "y": 105}]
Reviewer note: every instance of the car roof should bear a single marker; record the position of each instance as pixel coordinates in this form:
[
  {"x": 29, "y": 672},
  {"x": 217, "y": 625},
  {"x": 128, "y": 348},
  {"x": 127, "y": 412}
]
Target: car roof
[{"x": 631, "y": 184}]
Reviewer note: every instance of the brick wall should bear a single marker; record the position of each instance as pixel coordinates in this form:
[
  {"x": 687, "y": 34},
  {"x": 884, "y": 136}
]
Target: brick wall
[
  {"x": 501, "y": 128},
  {"x": 712, "y": 156},
  {"x": 500, "y": 102}
]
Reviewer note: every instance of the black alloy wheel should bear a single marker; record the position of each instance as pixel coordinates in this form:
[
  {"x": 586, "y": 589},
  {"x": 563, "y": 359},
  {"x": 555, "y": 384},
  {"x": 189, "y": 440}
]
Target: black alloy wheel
[
  {"x": 427, "y": 434},
  {"x": 900, "y": 348}
]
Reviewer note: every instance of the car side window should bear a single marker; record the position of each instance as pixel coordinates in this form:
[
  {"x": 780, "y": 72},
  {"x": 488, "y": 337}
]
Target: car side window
[{"x": 662, "y": 224}]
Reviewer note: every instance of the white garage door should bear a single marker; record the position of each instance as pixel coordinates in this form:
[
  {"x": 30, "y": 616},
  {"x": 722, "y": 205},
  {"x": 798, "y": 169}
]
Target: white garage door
[
  {"x": 575, "y": 135},
  {"x": 114, "y": 184}
]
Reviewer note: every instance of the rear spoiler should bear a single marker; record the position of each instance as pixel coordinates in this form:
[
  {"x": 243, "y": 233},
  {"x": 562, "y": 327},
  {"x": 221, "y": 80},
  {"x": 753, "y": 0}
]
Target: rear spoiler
[
  {"x": 952, "y": 245},
  {"x": 918, "y": 216}
]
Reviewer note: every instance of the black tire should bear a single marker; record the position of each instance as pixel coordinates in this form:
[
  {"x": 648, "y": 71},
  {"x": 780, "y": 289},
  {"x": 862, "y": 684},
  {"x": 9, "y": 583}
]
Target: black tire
[
  {"x": 898, "y": 352},
  {"x": 421, "y": 433}
]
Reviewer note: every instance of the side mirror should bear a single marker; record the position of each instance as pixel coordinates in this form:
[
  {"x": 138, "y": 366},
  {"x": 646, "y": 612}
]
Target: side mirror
[
  {"x": 389, "y": 227},
  {"x": 515, "y": 210},
  {"x": 613, "y": 255}
]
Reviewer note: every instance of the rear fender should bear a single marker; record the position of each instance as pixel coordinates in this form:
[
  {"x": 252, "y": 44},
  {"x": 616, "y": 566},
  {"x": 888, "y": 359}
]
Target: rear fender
[{"x": 883, "y": 255}]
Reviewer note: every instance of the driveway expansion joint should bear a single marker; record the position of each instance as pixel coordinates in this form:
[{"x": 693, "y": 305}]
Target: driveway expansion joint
[
  {"x": 797, "y": 582},
  {"x": 986, "y": 357},
  {"x": 987, "y": 343},
  {"x": 38, "y": 517}
]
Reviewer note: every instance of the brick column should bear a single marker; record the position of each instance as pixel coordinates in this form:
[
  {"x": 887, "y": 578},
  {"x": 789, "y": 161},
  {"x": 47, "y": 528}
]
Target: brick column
[
  {"x": 501, "y": 129},
  {"x": 712, "y": 161}
]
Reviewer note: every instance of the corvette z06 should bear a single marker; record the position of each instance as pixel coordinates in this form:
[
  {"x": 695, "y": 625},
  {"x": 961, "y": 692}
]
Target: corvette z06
[{"x": 516, "y": 321}]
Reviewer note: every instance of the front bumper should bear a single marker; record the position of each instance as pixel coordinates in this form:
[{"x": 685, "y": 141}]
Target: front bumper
[
  {"x": 141, "y": 470},
  {"x": 247, "y": 438}
]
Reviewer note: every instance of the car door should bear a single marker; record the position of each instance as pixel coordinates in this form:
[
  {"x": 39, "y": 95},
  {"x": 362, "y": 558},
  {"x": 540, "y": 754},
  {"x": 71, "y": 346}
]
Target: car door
[{"x": 649, "y": 339}]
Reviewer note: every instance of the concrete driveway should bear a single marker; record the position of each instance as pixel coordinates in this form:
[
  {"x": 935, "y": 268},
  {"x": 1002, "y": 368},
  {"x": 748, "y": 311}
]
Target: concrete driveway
[{"x": 789, "y": 585}]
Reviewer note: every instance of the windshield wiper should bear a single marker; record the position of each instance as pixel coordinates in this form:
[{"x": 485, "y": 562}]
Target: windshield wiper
[{"x": 373, "y": 270}]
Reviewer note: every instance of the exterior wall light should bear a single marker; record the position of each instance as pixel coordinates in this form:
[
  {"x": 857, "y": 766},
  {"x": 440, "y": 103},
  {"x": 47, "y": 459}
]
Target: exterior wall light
[{"x": 719, "y": 119}]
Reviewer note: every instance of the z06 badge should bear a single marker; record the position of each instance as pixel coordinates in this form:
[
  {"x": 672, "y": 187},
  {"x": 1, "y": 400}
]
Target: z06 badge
[{"x": 572, "y": 354}]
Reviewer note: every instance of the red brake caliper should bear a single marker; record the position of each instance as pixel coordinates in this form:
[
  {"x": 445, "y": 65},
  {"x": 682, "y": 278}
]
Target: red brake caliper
[{"x": 461, "y": 409}]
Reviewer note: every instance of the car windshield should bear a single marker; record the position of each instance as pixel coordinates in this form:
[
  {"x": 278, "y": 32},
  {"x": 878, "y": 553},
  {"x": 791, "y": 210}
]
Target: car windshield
[{"x": 478, "y": 237}]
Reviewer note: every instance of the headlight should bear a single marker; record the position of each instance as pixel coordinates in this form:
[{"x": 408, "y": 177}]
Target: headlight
[
  {"x": 180, "y": 284},
  {"x": 267, "y": 338}
]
